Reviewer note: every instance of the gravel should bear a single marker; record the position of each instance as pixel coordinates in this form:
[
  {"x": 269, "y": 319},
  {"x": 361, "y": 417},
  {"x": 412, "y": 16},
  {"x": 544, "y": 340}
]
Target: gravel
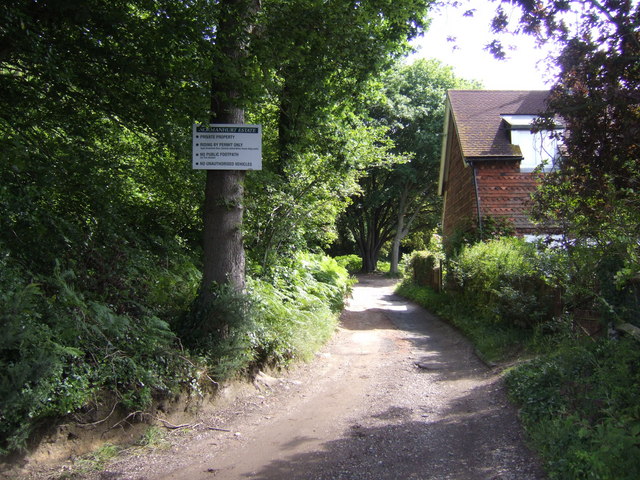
[{"x": 396, "y": 394}]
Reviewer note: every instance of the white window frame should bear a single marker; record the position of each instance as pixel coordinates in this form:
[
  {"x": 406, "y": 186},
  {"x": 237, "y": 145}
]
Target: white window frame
[{"x": 538, "y": 148}]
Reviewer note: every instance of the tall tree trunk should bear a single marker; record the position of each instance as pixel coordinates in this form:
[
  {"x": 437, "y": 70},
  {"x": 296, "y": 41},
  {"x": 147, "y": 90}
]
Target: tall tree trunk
[
  {"x": 370, "y": 260},
  {"x": 224, "y": 260},
  {"x": 402, "y": 229},
  {"x": 395, "y": 253},
  {"x": 369, "y": 244}
]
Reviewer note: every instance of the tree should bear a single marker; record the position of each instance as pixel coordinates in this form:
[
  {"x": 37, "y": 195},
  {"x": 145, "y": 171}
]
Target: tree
[
  {"x": 595, "y": 96},
  {"x": 224, "y": 261},
  {"x": 318, "y": 59},
  {"x": 88, "y": 91},
  {"x": 593, "y": 193},
  {"x": 395, "y": 199},
  {"x": 97, "y": 99}
]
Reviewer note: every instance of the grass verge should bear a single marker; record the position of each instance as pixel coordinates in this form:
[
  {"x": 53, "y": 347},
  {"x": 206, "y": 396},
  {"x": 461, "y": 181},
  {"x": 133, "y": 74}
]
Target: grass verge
[
  {"x": 578, "y": 397},
  {"x": 494, "y": 342}
]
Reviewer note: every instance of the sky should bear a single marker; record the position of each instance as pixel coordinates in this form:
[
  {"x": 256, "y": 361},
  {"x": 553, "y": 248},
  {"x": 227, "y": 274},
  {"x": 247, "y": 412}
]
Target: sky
[{"x": 524, "y": 68}]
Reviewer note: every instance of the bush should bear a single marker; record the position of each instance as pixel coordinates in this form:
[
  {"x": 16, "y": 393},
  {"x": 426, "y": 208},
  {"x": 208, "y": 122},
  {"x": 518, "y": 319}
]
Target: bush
[
  {"x": 353, "y": 263},
  {"x": 286, "y": 315},
  {"x": 421, "y": 266},
  {"x": 59, "y": 349},
  {"x": 508, "y": 280},
  {"x": 297, "y": 308},
  {"x": 580, "y": 407}
]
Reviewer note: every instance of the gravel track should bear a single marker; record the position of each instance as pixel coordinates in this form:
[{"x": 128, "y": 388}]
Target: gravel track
[{"x": 396, "y": 394}]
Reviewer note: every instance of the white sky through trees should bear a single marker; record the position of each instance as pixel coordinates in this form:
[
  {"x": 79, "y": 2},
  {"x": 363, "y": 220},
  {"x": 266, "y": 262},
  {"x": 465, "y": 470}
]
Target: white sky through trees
[{"x": 459, "y": 41}]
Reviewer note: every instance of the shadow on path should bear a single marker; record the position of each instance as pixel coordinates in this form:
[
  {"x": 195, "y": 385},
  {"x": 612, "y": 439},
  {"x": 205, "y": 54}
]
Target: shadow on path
[{"x": 447, "y": 416}]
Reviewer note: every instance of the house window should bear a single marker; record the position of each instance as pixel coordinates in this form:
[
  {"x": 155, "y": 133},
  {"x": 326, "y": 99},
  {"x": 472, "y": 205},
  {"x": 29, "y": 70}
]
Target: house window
[{"x": 539, "y": 148}]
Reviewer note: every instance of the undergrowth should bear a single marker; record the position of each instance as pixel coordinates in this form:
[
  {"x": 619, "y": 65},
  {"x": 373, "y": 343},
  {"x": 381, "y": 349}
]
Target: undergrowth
[
  {"x": 578, "y": 397},
  {"x": 353, "y": 264},
  {"x": 62, "y": 349},
  {"x": 580, "y": 408}
]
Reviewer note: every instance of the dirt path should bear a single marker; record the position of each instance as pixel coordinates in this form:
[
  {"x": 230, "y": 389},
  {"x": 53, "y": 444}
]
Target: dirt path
[{"x": 397, "y": 394}]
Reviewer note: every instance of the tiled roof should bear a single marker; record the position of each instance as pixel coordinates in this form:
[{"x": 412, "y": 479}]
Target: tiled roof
[{"x": 482, "y": 131}]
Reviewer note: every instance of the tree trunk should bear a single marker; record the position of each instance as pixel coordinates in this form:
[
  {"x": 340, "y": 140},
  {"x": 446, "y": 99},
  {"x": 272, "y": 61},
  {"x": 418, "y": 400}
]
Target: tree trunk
[
  {"x": 224, "y": 260},
  {"x": 395, "y": 253},
  {"x": 370, "y": 260},
  {"x": 401, "y": 230},
  {"x": 369, "y": 244},
  {"x": 223, "y": 244}
]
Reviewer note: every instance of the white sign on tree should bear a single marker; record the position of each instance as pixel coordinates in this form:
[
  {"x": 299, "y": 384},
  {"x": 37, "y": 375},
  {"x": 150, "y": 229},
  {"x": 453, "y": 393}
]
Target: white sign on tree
[{"x": 227, "y": 147}]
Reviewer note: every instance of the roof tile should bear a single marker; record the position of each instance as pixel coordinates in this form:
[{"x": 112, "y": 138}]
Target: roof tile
[{"x": 477, "y": 118}]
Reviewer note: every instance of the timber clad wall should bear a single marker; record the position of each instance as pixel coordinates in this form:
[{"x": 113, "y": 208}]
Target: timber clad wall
[
  {"x": 505, "y": 193},
  {"x": 478, "y": 139},
  {"x": 460, "y": 209}
]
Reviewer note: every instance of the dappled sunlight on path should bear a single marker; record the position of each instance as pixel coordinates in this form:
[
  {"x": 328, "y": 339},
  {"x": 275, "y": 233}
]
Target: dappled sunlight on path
[{"x": 397, "y": 394}]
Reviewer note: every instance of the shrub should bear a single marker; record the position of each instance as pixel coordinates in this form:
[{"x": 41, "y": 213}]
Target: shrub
[
  {"x": 468, "y": 233},
  {"x": 421, "y": 265},
  {"x": 59, "y": 348},
  {"x": 507, "y": 279},
  {"x": 353, "y": 263},
  {"x": 286, "y": 314},
  {"x": 580, "y": 407},
  {"x": 219, "y": 331},
  {"x": 297, "y": 307}
]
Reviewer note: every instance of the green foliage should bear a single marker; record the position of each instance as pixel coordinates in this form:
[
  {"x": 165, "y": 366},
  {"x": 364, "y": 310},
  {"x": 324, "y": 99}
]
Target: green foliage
[
  {"x": 421, "y": 265},
  {"x": 285, "y": 315},
  {"x": 399, "y": 196},
  {"x": 101, "y": 214},
  {"x": 353, "y": 263},
  {"x": 469, "y": 233},
  {"x": 293, "y": 207},
  {"x": 494, "y": 342},
  {"x": 600, "y": 277},
  {"x": 508, "y": 280},
  {"x": 317, "y": 142},
  {"x": 219, "y": 331},
  {"x": 94, "y": 211},
  {"x": 154, "y": 438},
  {"x": 578, "y": 399},
  {"x": 423, "y": 296},
  {"x": 580, "y": 407},
  {"x": 591, "y": 196},
  {"x": 297, "y": 307},
  {"x": 384, "y": 266},
  {"x": 61, "y": 349}
]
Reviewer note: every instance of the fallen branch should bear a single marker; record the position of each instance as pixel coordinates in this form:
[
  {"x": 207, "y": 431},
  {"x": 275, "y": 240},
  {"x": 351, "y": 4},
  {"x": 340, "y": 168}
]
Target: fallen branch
[
  {"x": 132, "y": 414},
  {"x": 99, "y": 421},
  {"x": 171, "y": 426},
  {"x": 189, "y": 425},
  {"x": 218, "y": 429}
]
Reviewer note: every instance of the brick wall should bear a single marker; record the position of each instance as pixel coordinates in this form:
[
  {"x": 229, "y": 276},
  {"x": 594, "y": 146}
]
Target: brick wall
[{"x": 505, "y": 193}]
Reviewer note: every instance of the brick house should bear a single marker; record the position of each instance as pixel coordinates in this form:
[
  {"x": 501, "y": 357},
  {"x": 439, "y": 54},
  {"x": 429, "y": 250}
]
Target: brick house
[{"x": 488, "y": 159}]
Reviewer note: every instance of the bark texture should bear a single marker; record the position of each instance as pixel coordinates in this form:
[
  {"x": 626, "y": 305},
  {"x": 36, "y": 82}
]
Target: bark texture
[{"x": 224, "y": 258}]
